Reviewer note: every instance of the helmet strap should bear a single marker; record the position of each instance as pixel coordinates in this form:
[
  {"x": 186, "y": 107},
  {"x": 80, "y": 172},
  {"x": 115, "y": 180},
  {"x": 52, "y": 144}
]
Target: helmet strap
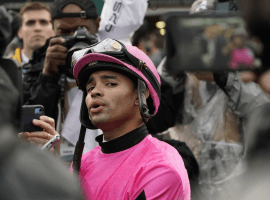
[
  {"x": 79, "y": 150},
  {"x": 144, "y": 111}
]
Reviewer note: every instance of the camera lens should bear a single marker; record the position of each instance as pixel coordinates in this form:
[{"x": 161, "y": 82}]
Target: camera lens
[{"x": 38, "y": 110}]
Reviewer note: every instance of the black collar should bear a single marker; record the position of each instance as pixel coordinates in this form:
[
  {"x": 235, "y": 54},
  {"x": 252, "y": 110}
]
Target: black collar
[{"x": 123, "y": 142}]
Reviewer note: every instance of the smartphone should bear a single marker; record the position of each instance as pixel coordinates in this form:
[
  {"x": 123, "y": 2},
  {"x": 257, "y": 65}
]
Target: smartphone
[
  {"x": 210, "y": 42},
  {"x": 30, "y": 112},
  {"x": 51, "y": 142}
]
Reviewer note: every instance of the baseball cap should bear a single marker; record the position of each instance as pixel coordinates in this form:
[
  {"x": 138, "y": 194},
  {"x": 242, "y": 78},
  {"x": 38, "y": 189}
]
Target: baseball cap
[{"x": 88, "y": 6}]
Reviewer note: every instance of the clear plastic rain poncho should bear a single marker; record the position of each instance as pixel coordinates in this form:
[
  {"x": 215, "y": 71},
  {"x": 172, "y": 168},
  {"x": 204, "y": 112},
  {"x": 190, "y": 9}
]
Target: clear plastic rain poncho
[{"x": 212, "y": 131}]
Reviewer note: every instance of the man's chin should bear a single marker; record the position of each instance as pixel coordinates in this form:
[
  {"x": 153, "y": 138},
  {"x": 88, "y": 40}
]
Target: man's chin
[
  {"x": 98, "y": 122},
  {"x": 37, "y": 45}
]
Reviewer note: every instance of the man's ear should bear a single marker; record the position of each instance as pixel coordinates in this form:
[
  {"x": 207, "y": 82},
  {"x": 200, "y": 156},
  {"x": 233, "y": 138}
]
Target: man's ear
[
  {"x": 147, "y": 93},
  {"x": 146, "y": 96},
  {"x": 137, "y": 98},
  {"x": 20, "y": 33}
]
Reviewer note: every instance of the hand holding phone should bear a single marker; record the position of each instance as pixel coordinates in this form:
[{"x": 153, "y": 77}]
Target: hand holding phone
[
  {"x": 42, "y": 137},
  {"x": 30, "y": 112}
]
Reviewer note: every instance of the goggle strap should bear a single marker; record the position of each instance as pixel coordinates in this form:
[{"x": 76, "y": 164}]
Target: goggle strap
[{"x": 133, "y": 59}]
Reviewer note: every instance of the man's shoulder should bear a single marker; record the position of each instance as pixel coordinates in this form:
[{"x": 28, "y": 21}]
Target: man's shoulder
[
  {"x": 157, "y": 146},
  {"x": 91, "y": 153},
  {"x": 35, "y": 65},
  {"x": 163, "y": 165},
  {"x": 16, "y": 55}
]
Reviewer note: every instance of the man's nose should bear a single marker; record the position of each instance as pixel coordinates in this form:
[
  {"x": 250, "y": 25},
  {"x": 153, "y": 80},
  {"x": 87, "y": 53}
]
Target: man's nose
[
  {"x": 97, "y": 91},
  {"x": 37, "y": 26}
]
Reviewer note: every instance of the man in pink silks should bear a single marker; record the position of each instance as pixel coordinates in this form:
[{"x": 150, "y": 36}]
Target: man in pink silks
[{"x": 121, "y": 89}]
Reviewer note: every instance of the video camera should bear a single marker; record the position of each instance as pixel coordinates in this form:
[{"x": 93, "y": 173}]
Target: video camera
[{"x": 216, "y": 41}]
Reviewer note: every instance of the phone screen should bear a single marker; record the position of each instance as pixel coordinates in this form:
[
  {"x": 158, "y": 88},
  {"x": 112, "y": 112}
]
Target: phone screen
[{"x": 210, "y": 43}]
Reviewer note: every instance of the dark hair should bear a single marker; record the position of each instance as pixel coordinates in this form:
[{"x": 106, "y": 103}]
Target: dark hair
[
  {"x": 157, "y": 38},
  {"x": 31, "y": 6}
]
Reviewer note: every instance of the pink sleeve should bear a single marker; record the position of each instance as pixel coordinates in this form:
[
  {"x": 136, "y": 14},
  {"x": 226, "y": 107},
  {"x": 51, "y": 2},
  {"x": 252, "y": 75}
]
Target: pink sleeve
[{"x": 163, "y": 183}]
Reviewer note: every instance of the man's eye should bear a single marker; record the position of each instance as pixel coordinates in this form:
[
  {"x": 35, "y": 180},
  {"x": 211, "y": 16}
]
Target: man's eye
[
  {"x": 111, "y": 84},
  {"x": 44, "y": 22},
  {"x": 30, "y": 23},
  {"x": 63, "y": 32},
  {"x": 89, "y": 89}
]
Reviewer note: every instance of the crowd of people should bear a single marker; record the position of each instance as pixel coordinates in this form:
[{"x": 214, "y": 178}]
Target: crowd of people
[{"x": 129, "y": 129}]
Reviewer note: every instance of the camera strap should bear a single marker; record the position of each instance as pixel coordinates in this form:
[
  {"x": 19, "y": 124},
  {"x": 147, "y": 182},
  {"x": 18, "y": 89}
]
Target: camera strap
[{"x": 62, "y": 94}]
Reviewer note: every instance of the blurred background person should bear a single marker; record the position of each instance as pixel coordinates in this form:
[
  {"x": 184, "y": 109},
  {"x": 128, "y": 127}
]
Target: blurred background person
[
  {"x": 151, "y": 42},
  {"x": 35, "y": 28},
  {"x": 156, "y": 47},
  {"x": 254, "y": 182}
]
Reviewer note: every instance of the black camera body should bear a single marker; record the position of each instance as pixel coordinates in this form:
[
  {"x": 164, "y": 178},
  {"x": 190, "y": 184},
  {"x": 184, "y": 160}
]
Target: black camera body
[{"x": 80, "y": 40}]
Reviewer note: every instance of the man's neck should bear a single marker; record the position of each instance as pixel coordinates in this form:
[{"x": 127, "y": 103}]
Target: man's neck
[
  {"x": 120, "y": 130},
  {"x": 27, "y": 52}
]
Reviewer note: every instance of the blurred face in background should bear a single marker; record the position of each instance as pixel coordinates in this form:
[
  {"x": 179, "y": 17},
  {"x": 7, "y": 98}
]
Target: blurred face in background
[
  {"x": 36, "y": 28},
  {"x": 239, "y": 41}
]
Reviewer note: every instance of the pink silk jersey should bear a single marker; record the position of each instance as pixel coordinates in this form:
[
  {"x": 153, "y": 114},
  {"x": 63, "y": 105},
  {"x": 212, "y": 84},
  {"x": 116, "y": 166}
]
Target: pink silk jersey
[{"x": 151, "y": 166}]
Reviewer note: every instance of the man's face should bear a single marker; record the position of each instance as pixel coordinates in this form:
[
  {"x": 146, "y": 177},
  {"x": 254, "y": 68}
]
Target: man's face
[
  {"x": 239, "y": 41},
  {"x": 111, "y": 99},
  {"x": 68, "y": 26},
  {"x": 36, "y": 28}
]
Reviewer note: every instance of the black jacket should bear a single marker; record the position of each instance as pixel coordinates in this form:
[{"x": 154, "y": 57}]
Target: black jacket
[{"x": 39, "y": 88}]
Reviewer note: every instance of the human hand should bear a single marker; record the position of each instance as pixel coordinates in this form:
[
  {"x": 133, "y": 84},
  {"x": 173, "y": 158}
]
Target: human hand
[
  {"x": 55, "y": 56},
  {"x": 40, "y": 137}
]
